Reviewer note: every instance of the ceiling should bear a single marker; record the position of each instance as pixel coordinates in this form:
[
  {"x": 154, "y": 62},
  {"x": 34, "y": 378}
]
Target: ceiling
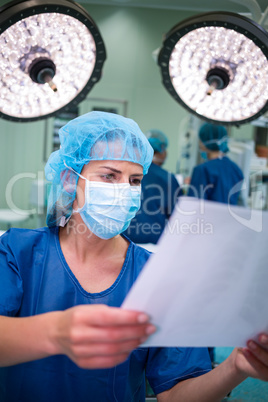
[{"x": 237, "y": 6}]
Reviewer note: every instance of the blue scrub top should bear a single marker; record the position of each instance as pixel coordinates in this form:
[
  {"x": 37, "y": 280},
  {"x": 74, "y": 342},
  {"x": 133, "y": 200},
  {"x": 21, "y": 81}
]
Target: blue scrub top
[
  {"x": 160, "y": 191},
  {"x": 34, "y": 279},
  {"x": 217, "y": 180}
]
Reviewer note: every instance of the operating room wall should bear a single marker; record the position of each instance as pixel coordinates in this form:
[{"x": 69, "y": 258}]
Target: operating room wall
[
  {"x": 20, "y": 160},
  {"x": 130, "y": 74}
]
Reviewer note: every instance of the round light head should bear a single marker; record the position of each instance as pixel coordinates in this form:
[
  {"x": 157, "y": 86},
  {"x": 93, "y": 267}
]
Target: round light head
[
  {"x": 51, "y": 55},
  {"x": 215, "y": 65}
]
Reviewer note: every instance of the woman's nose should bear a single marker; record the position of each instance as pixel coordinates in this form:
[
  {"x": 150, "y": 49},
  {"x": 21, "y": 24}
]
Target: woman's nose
[{"x": 124, "y": 179}]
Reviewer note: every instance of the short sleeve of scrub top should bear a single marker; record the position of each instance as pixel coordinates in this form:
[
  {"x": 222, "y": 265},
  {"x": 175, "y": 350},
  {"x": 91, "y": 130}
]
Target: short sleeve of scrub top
[{"x": 168, "y": 366}]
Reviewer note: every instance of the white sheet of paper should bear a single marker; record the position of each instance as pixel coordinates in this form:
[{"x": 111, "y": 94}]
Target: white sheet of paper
[{"x": 207, "y": 284}]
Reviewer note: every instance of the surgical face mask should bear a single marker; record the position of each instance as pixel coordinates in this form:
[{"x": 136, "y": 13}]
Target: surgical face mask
[
  {"x": 109, "y": 207},
  {"x": 203, "y": 154},
  {"x": 158, "y": 161}
]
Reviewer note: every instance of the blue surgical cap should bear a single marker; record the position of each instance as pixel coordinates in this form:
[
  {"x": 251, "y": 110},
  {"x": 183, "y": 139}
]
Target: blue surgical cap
[
  {"x": 214, "y": 137},
  {"x": 157, "y": 139},
  {"x": 92, "y": 136}
]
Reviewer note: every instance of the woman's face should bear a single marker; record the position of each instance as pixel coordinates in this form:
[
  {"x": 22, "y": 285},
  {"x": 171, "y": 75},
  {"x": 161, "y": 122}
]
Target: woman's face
[
  {"x": 160, "y": 157},
  {"x": 109, "y": 172}
]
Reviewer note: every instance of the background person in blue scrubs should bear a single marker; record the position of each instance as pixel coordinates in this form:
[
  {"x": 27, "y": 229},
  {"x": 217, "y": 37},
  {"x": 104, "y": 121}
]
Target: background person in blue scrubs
[
  {"x": 215, "y": 179},
  {"x": 160, "y": 191},
  {"x": 63, "y": 336}
]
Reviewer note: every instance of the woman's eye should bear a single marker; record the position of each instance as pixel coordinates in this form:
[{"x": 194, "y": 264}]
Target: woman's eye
[
  {"x": 108, "y": 177},
  {"x": 135, "y": 182}
]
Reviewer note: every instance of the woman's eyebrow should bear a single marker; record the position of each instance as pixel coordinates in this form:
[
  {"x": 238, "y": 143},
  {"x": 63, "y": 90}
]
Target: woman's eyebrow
[
  {"x": 119, "y": 171},
  {"x": 110, "y": 168}
]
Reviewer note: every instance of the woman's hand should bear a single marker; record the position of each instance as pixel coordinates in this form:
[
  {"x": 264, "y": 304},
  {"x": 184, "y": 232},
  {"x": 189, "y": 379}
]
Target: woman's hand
[
  {"x": 253, "y": 360},
  {"x": 98, "y": 336}
]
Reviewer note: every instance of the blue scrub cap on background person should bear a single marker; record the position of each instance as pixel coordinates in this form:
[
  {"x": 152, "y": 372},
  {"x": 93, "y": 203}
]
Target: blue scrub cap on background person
[
  {"x": 214, "y": 137},
  {"x": 92, "y": 136},
  {"x": 157, "y": 139}
]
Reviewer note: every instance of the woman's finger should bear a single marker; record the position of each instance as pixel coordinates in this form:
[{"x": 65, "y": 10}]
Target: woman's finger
[
  {"x": 102, "y": 315},
  {"x": 116, "y": 334},
  {"x": 101, "y": 362},
  {"x": 258, "y": 368},
  {"x": 105, "y": 349},
  {"x": 260, "y": 352}
]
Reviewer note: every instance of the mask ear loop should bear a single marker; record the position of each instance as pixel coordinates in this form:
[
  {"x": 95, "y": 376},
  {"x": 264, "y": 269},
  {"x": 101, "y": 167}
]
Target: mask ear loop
[
  {"x": 218, "y": 142},
  {"x": 69, "y": 167},
  {"x": 82, "y": 177}
]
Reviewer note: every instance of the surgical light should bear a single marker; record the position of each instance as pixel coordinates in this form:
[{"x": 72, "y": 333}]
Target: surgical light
[
  {"x": 215, "y": 65},
  {"x": 51, "y": 55}
]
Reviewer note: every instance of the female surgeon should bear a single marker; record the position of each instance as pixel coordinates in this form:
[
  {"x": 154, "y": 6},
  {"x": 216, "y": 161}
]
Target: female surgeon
[
  {"x": 63, "y": 336},
  {"x": 218, "y": 178}
]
